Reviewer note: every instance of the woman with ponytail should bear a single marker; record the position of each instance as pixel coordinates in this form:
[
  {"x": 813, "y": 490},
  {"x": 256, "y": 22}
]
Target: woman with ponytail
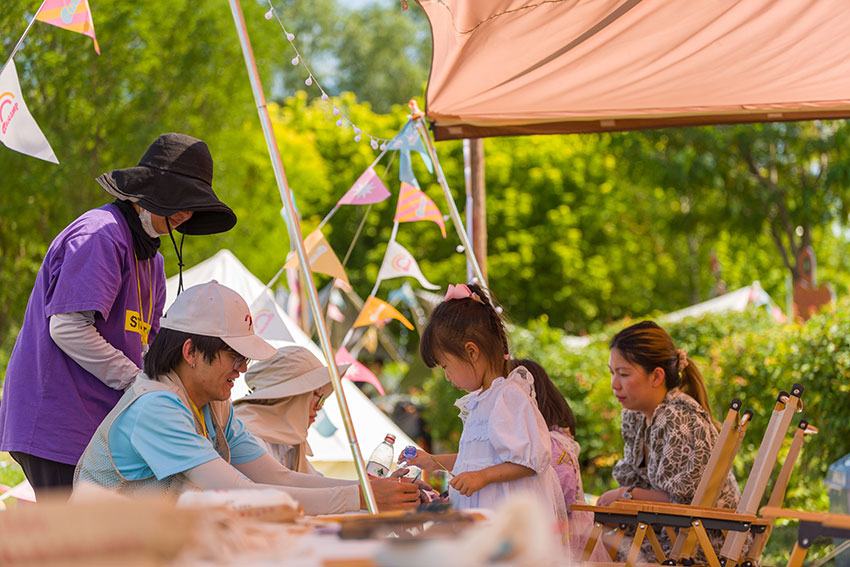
[{"x": 667, "y": 425}]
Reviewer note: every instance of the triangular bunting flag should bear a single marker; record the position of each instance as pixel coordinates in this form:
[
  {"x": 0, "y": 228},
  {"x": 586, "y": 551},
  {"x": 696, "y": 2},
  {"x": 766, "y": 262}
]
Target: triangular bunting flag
[
  {"x": 368, "y": 189},
  {"x": 408, "y": 139},
  {"x": 18, "y": 129},
  {"x": 74, "y": 15},
  {"x": 398, "y": 262},
  {"x": 375, "y": 311},
  {"x": 321, "y": 256},
  {"x": 357, "y": 372},
  {"x": 414, "y": 205}
]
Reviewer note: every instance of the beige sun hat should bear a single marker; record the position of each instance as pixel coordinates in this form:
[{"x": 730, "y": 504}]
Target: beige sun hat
[
  {"x": 215, "y": 310},
  {"x": 291, "y": 371}
]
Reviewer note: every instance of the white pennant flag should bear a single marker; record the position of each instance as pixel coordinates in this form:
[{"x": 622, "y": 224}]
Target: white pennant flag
[
  {"x": 18, "y": 130},
  {"x": 398, "y": 262}
]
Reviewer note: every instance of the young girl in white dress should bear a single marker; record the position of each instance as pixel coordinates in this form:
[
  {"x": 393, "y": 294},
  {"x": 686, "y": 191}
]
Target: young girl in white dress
[{"x": 504, "y": 448}]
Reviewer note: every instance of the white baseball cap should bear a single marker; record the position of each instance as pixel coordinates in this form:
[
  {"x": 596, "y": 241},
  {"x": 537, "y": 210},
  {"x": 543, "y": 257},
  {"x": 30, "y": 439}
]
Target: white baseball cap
[{"x": 214, "y": 310}]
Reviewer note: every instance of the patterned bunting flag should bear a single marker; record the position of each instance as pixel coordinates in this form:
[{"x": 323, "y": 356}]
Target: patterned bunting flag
[
  {"x": 18, "y": 129},
  {"x": 357, "y": 372},
  {"x": 376, "y": 311},
  {"x": 414, "y": 205},
  {"x": 398, "y": 262},
  {"x": 368, "y": 189},
  {"x": 74, "y": 15},
  {"x": 321, "y": 256}
]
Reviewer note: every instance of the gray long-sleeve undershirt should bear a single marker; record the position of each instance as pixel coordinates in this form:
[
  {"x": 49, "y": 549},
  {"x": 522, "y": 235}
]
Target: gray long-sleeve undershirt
[{"x": 77, "y": 336}]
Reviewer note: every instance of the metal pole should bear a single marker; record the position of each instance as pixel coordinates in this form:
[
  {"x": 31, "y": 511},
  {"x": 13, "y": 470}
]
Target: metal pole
[
  {"x": 469, "y": 205},
  {"x": 295, "y": 237},
  {"x": 419, "y": 119}
]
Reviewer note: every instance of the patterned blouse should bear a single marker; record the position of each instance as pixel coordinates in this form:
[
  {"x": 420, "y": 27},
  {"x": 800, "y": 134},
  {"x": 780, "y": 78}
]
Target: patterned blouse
[{"x": 670, "y": 454}]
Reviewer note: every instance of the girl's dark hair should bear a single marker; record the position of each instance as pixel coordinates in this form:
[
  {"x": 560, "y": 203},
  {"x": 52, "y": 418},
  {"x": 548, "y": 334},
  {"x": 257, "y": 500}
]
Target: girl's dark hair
[
  {"x": 551, "y": 403},
  {"x": 649, "y": 346},
  {"x": 458, "y": 321},
  {"x": 167, "y": 350}
]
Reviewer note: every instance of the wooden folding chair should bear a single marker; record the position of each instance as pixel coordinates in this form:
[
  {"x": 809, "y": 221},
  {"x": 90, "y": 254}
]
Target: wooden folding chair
[
  {"x": 719, "y": 463},
  {"x": 786, "y": 407},
  {"x": 811, "y": 524},
  {"x": 739, "y": 522},
  {"x": 763, "y": 527}
]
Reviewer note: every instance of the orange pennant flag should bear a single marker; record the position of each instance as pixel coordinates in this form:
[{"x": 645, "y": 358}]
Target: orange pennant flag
[
  {"x": 321, "y": 256},
  {"x": 414, "y": 205},
  {"x": 74, "y": 15},
  {"x": 376, "y": 311}
]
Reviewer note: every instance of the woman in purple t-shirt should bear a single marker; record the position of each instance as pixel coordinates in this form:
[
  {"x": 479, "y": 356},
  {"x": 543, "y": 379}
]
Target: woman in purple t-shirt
[{"x": 96, "y": 304}]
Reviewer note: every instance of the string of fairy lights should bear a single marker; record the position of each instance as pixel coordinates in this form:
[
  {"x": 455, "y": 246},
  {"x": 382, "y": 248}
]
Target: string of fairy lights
[{"x": 376, "y": 142}]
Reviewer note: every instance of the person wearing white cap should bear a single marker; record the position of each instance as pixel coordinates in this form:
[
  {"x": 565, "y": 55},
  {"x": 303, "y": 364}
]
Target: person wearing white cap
[
  {"x": 174, "y": 428},
  {"x": 287, "y": 392}
]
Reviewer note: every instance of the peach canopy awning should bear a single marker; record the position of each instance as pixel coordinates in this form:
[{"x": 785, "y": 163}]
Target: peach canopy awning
[{"x": 513, "y": 67}]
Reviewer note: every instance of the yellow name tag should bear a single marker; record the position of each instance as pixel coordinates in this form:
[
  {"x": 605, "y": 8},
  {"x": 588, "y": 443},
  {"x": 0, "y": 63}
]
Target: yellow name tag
[{"x": 134, "y": 323}]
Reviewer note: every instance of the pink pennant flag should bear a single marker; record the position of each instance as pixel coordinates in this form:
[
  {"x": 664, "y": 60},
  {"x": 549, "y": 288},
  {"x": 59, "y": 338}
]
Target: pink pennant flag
[
  {"x": 357, "y": 372},
  {"x": 74, "y": 15},
  {"x": 414, "y": 205},
  {"x": 368, "y": 189}
]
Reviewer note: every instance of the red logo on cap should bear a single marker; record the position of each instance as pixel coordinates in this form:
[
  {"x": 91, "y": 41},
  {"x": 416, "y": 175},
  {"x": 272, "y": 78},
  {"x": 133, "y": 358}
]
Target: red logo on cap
[{"x": 250, "y": 321}]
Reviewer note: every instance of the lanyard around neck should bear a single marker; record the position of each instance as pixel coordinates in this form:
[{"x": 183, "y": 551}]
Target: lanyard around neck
[
  {"x": 150, "y": 293},
  {"x": 200, "y": 417}
]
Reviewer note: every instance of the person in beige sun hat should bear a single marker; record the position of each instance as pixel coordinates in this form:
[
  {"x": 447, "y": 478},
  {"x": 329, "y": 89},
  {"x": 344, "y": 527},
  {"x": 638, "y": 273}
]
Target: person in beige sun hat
[
  {"x": 287, "y": 392},
  {"x": 174, "y": 429}
]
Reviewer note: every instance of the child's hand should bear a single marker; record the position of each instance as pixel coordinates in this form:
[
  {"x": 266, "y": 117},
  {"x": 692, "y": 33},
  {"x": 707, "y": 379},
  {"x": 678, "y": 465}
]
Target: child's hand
[
  {"x": 423, "y": 460},
  {"x": 470, "y": 482}
]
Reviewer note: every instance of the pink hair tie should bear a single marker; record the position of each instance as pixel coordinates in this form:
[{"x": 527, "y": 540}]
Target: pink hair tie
[{"x": 461, "y": 291}]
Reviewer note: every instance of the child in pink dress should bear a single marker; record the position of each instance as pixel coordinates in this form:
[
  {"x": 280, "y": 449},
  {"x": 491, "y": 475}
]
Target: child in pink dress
[{"x": 565, "y": 450}]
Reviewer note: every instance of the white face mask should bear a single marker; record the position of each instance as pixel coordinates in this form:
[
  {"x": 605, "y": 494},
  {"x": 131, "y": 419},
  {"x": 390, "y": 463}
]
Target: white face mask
[{"x": 147, "y": 223}]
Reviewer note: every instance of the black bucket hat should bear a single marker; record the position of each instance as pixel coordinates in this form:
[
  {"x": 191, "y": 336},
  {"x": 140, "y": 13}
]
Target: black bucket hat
[{"x": 174, "y": 175}]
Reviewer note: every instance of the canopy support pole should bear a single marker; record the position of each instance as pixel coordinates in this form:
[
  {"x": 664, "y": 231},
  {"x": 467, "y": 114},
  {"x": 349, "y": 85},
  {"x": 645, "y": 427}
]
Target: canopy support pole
[
  {"x": 297, "y": 240},
  {"x": 418, "y": 118}
]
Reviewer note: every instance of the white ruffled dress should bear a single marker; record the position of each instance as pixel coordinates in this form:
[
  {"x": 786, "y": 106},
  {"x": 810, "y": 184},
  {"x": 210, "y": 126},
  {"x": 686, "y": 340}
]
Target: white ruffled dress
[{"x": 502, "y": 424}]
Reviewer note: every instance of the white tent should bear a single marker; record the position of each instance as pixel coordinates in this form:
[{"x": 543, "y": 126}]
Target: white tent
[
  {"x": 737, "y": 300},
  {"x": 331, "y": 453}
]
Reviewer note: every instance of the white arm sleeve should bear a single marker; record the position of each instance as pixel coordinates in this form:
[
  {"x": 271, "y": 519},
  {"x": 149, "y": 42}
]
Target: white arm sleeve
[
  {"x": 217, "y": 474},
  {"x": 77, "y": 336}
]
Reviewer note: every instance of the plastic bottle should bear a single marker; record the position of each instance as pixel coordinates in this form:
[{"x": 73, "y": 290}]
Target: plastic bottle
[
  {"x": 408, "y": 453},
  {"x": 381, "y": 459}
]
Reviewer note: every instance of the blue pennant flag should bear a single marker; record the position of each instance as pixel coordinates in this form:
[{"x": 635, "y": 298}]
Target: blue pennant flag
[
  {"x": 405, "y": 169},
  {"x": 408, "y": 139}
]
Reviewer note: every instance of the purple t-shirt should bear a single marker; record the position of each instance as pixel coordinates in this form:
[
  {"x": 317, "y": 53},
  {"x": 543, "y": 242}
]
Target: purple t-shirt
[{"x": 51, "y": 406}]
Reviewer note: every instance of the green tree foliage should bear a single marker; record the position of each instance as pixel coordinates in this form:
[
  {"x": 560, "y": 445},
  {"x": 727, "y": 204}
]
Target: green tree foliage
[
  {"x": 379, "y": 52},
  {"x": 780, "y": 180}
]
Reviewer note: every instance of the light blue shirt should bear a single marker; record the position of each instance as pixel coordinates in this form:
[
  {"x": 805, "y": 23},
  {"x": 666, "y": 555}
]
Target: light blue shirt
[{"x": 156, "y": 436}]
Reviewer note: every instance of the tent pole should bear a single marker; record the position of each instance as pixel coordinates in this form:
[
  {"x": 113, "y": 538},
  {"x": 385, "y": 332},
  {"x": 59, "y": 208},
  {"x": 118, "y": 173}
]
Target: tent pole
[
  {"x": 296, "y": 238},
  {"x": 418, "y": 118}
]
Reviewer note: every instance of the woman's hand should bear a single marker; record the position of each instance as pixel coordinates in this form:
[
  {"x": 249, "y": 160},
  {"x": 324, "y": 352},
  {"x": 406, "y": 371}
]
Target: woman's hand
[
  {"x": 392, "y": 494},
  {"x": 608, "y": 497},
  {"x": 470, "y": 482}
]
